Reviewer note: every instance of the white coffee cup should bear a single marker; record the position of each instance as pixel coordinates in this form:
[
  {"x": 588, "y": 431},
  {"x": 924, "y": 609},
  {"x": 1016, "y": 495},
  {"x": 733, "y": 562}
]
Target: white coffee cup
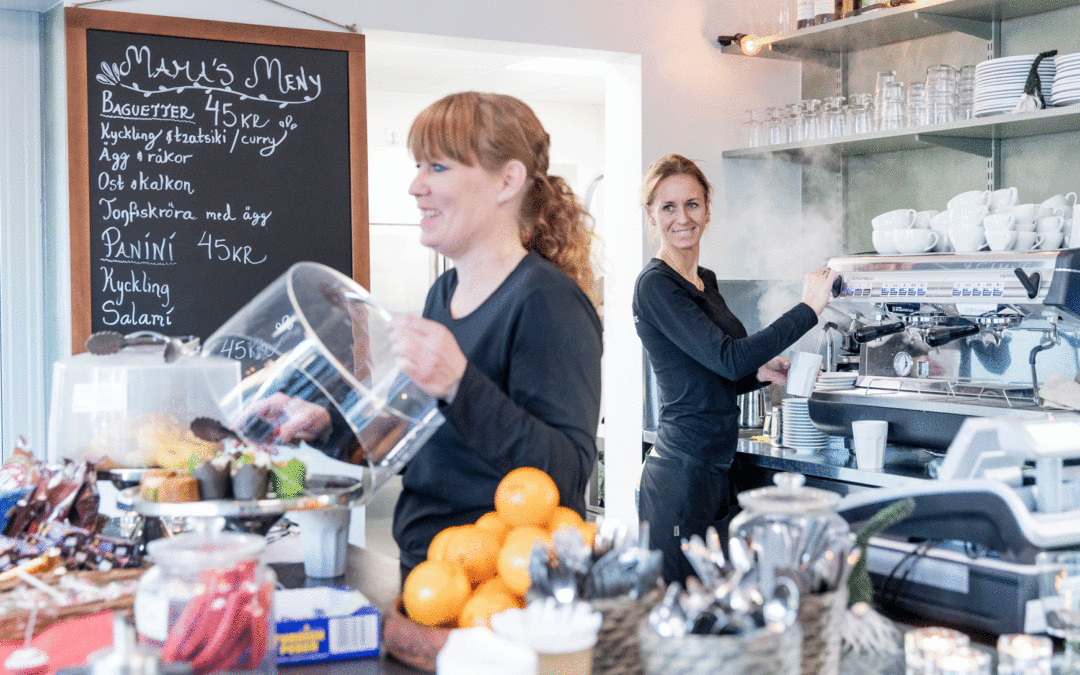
[
  {"x": 1051, "y": 240},
  {"x": 914, "y": 240},
  {"x": 1001, "y": 240},
  {"x": 967, "y": 239},
  {"x": 1004, "y": 199},
  {"x": 897, "y": 219},
  {"x": 1060, "y": 201},
  {"x": 999, "y": 221},
  {"x": 1049, "y": 224},
  {"x": 1024, "y": 226},
  {"x": 803, "y": 373},
  {"x": 1028, "y": 241},
  {"x": 324, "y": 536},
  {"x": 883, "y": 241},
  {"x": 970, "y": 198},
  {"x": 870, "y": 437},
  {"x": 1044, "y": 211},
  {"x": 924, "y": 218},
  {"x": 1024, "y": 211},
  {"x": 967, "y": 216}
]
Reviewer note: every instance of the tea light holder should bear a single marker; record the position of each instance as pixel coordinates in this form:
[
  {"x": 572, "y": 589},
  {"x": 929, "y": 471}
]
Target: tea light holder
[
  {"x": 965, "y": 660},
  {"x": 922, "y": 645},
  {"x": 1024, "y": 654}
]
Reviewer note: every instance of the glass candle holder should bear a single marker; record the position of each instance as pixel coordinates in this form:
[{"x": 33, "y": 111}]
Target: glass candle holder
[
  {"x": 1024, "y": 654},
  {"x": 921, "y": 646},
  {"x": 966, "y": 660}
]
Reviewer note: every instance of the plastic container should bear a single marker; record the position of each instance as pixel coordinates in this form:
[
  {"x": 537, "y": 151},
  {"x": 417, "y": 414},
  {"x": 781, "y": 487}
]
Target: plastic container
[
  {"x": 314, "y": 335},
  {"x": 209, "y": 601},
  {"x": 132, "y": 409}
]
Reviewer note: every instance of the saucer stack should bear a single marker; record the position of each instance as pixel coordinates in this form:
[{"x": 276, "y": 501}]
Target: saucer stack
[
  {"x": 1067, "y": 80},
  {"x": 798, "y": 431},
  {"x": 835, "y": 381},
  {"x": 999, "y": 83}
]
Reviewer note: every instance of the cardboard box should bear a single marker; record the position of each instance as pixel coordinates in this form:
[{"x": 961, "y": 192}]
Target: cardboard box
[{"x": 324, "y": 624}]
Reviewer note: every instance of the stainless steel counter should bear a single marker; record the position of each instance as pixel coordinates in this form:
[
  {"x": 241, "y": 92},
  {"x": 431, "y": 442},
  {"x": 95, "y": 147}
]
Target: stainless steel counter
[{"x": 833, "y": 469}]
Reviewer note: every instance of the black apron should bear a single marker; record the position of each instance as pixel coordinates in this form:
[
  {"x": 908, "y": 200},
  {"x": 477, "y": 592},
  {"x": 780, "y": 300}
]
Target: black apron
[{"x": 681, "y": 496}]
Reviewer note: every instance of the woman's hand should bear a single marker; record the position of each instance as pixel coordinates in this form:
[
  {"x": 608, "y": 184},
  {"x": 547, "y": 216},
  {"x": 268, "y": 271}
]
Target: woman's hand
[
  {"x": 294, "y": 419},
  {"x": 774, "y": 371},
  {"x": 817, "y": 289},
  {"x": 427, "y": 352}
]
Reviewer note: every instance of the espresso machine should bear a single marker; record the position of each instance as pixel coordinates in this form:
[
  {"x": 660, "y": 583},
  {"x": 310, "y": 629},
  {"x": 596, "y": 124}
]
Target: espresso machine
[
  {"x": 952, "y": 350},
  {"x": 945, "y": 337}
]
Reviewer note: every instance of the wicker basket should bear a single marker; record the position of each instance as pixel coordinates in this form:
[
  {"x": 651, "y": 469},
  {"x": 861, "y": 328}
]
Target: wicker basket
[
  {"x": 411, "y": 643},
  {"x": 617, "y": 644},
  {"x": 762, "y": 652},
  {"x": 820, "y": 616}
]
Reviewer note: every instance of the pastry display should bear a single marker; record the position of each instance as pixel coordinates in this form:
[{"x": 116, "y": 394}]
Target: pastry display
[{"x": 161, "y": 485}]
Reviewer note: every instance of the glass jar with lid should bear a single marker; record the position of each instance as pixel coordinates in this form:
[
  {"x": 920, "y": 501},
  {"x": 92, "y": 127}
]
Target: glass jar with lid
[
  {"x": 790, "y": 526},
  {"x": 208, "y": 600}
]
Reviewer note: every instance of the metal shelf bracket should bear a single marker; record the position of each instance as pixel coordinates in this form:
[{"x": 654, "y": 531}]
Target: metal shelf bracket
[
  {"x": 983, "y": 147},
  {"x": 980, "y": 29}
]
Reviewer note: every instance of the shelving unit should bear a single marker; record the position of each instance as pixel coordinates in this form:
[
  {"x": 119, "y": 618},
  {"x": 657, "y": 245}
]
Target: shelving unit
[
  {"x": 974, "y": 136},
  {"x": 900, "y": 24}
]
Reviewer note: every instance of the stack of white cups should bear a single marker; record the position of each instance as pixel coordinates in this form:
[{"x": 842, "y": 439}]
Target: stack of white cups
[{"x": 977, "y": 220}]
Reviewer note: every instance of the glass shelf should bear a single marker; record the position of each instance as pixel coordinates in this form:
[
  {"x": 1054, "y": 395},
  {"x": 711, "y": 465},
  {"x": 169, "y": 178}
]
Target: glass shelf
[
  {"x": 974, "y": 136},
  {"x": 899, "y": 24}
]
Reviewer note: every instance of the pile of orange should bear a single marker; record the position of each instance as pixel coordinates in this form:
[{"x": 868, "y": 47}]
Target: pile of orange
[{"x": 474, "y": 571}]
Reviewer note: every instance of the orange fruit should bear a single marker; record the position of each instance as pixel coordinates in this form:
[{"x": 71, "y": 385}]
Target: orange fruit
[
  {"x": 588, "y": 532},
  {"x": 479, "y": 608},
  {"x": 437, "y": 547},
  {"x": 564, "y": 516},
  {"x": 492, "y": 521},
  {"x": 526, "y": 496},
  {"x": 498, "y": 586},
  {"x": 514, "y": 557},
  {"x": 476, "y": 549},
  {"x": 435, "y": 591}
]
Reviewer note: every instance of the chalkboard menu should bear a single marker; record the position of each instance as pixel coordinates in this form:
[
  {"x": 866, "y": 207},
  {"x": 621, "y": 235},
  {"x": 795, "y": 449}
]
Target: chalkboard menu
[{"x": 206, "y": 158}]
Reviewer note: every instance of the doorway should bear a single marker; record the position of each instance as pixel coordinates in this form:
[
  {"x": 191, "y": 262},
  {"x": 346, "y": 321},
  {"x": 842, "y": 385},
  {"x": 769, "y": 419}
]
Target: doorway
[{"x": 571, "y": 91}]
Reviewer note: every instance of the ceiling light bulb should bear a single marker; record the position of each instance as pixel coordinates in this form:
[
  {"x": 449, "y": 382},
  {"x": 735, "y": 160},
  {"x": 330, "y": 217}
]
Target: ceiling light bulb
[{"x": 750, "y": 45}]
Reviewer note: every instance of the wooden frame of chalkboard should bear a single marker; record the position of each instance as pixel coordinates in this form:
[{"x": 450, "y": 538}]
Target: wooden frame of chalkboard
[{"x": 205, "y": 158}]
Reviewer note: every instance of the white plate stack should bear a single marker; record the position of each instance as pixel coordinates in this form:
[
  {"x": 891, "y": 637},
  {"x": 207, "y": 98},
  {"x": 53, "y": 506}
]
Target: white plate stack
[
  {"x": 798, "y": 431},
  {"x": 1066, "y": 80},
  {"x": 999, "y": 83},
  {"x": 834, "y": 381}
]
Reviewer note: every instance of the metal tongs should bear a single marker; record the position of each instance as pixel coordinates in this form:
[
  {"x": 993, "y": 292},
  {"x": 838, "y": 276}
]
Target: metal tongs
[{"x": 107, "y": 342}]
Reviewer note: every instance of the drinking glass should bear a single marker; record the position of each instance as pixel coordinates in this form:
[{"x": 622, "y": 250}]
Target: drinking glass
[
  {"x": 811, "y": 119},
  {"x": 793, "y": 123},
  {"x": 883, "y": 78},
  {"x": 860, "y": 114},
  {"x": 753, "y": 128},
  {"x": 916, "y": 104},
  {"x": 892, "y": 106},
  {"x": 1059, "y": 592},
  {"x": 834, "y": 117},
  {"x": 774, "y": 126},
  {"x": 941, "y": 93}
]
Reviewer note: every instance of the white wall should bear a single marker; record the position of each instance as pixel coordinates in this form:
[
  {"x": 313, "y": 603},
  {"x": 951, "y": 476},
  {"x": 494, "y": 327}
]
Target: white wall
[{"x": 693, "y": 96}]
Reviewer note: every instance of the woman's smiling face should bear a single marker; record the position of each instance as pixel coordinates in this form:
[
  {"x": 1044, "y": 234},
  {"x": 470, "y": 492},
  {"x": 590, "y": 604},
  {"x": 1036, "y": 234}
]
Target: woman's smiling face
[
  {"x": 679, "y": 212},
  {"x": 457, "y": 204}
]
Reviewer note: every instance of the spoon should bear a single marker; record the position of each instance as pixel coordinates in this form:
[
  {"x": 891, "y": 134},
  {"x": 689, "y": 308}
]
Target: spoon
[
  {"x": 209, "y": 429},
  {"x": 103, "y": 343},
  {"x": 27, "y": 658}
]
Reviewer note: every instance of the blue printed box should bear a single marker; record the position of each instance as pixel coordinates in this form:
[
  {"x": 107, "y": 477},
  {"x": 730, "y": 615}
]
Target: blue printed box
[{"x": 324, "y": 624}]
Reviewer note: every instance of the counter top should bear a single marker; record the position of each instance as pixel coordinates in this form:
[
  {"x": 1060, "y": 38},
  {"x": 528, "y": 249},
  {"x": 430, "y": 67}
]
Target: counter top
[{"x": 902, "y": 465}]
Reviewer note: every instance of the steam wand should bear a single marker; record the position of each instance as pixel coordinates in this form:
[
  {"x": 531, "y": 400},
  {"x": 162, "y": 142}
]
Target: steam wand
[{"x": 1050, "y": 339}]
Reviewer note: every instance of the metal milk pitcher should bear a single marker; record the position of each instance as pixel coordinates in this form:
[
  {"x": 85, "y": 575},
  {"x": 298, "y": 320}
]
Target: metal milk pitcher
[{"x": 752, "y": 409}]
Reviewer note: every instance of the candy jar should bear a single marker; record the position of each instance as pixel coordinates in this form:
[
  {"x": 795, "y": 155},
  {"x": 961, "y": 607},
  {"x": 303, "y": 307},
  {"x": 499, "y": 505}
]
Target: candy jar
[{"x": 209, "y": 601}]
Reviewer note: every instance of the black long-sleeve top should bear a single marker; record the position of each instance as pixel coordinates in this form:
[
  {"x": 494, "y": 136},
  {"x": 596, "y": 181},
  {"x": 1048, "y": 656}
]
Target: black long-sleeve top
[
  {"x": 703, "y": 359},
  {"x": 530, "y": 396}
]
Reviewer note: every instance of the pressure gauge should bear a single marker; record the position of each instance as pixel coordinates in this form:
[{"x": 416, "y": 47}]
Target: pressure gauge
[{"x": 902, "y": 363}]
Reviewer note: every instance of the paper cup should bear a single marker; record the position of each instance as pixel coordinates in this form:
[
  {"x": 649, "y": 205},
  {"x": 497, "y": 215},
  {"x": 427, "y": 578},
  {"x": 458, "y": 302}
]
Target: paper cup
[
  {"x": 803, "y": 373},
  {"x": 870, "y": 437},
  {"x": 324, "y": 536}
]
